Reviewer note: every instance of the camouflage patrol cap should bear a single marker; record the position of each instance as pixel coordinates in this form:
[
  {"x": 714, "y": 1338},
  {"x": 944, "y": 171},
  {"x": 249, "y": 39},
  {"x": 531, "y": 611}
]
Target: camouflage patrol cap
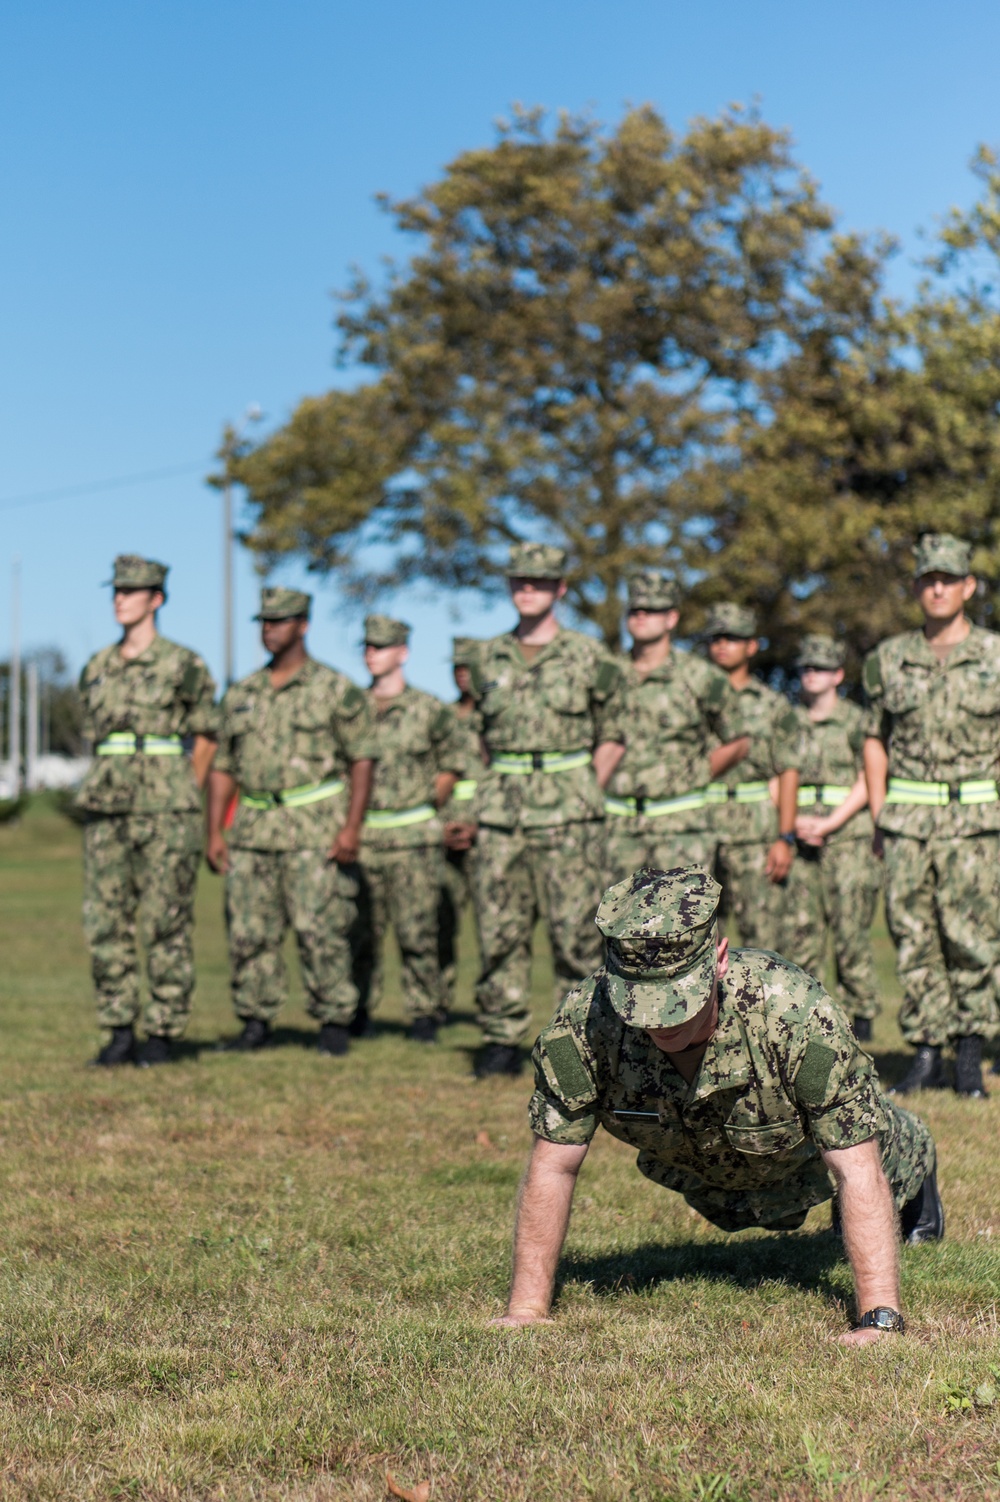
[
  {"x": 651, "y": 589},
  {"x": 384, "y": 631},
  {"x": 279, "y": 604},
  {"x": 820, "y": 651},
  {"x": 133, "y": 572},
  {"x": 941, "y": 553},
  {"x": 536, "y": 560},
  {"x": 660, "y": 929},
  {"x": 463, "y": 650},
  {"x": 730, "y": 619}
]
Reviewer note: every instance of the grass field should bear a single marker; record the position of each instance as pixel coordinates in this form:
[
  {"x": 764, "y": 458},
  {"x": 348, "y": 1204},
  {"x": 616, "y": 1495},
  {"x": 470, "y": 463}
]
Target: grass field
[{"x": 271, "y": 1277}]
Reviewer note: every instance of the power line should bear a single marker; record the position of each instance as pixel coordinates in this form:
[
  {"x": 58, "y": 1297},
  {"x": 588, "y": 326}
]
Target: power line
[{"x": 94, "y": 487}]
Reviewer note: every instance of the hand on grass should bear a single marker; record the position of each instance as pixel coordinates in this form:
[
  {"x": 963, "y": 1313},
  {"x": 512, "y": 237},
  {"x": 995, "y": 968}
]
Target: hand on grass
[
  {"x": 865, "y": 1337},
  {"x": 514, "y": 1319}
]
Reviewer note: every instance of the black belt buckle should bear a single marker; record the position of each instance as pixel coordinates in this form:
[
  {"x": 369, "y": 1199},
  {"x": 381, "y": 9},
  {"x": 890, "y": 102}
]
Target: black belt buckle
[
  {"x": 278, "y": 799},
  {"x": 820, "y": 790},
  {"x": 538, "y": 761},
  {"x": 954, "y": 792},
  {"x": 640, "y": 803},
  {"x": 731, "y": 795},
  {"x": 139, "y": 738}
]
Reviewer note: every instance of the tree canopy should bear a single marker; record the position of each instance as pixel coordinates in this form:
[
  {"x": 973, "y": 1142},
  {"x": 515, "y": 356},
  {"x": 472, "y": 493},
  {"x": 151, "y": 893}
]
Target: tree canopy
[{"x": 652, "y": 349}]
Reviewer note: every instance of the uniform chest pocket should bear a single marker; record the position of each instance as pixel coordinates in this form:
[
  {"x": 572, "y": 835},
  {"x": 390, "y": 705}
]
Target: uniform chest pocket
[
  {"x": 980, "y": 695},
  {"x": 314, "y": 718},
  {"x": 566, "y": 697},
  {"x": 770, "y": 1140},
  {"x": 907, "y": 693}
]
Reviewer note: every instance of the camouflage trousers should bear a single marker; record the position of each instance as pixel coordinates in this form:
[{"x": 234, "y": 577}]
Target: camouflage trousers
[
  {"x": 636, "y": 842},
  {"x": 831, "y": 892},
  {"x": 454, "y": 898},
  {"x": 755, "y": 904},
  {"x": 268, "y": 891},
  {"x": 520, "y": 875},
  {"x": 139, "y": 874},
  {"x": 401, "y": 888},
  {"x": 942, "y": 902}
]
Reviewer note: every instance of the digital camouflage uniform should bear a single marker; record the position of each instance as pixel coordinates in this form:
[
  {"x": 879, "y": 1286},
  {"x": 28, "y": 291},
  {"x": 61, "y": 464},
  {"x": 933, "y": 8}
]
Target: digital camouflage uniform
[
  {"x": 657, "y": 799},
  {"x": 538, "y": 807},
  {"x": 142, "y": 838},
  {"x": 456, "y": 888},
  {"x": 746, "y": 820},
  {"x": 832, "y": 889},
  {"x": 940, "y": 722},
  {"x": 402, "y": 859},
  {"x": 301, "y": 739},
  {"x": 782, "y": 1076}
]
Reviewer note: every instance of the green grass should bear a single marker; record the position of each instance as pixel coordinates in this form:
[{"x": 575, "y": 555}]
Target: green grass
[{"x": 271, "y": 1277}]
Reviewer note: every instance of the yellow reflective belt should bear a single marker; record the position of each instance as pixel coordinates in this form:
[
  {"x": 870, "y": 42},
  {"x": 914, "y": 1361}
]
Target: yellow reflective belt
[
  {"x": 940, "y": 794},
  {"x": 742, "y": 792},
  {"x": 393, "y": 818},
  {"x": 128, "y": 743},
  {"x": 651, "y": 808},
  {"x": 523, "y": 763},
  {"x": 309, "y": 792},
  {"x": 826, "y": 793},
  {"x": 464, "y": 790}
]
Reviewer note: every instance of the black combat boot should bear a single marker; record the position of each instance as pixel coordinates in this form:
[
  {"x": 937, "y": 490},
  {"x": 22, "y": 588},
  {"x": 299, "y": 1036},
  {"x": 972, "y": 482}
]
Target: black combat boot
[
  {"x": 254, "y": 1035},
  {"x": 863, "y": 1029},
  {"x": 334, "y": 1039},
  {"x": 361, "y": 1025},
  {"x": 119, "y": 1049},
  {"x": 498, "y": 1058},
  {"x": 922, "y": 1217},
  {"x": 969, "y": 1067},
  {"x": 424, "y": 1030},
  {"x": 155, "y": 1050},
  {"x": 925, "y": 1073}
]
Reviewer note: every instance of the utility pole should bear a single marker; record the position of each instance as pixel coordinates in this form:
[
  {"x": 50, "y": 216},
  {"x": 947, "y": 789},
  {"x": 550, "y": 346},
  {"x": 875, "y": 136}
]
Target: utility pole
[
  {"x": 31, "y": 728},
  {"x": 14, "y": 692},
  {"x": 230, "y": 448}
]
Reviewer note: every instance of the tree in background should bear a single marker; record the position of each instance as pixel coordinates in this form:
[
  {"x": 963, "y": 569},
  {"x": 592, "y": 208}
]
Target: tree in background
[
  {"x": 589, "y": 316},
  {"x": 60, "y": 710}
]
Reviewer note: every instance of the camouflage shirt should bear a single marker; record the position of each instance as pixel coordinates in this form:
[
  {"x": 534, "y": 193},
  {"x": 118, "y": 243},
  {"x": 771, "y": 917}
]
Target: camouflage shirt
[
  {"x": 940, "y": 722},
  {"x": 417, "y": 737},
  {"x": 782, "y": 1078},
  {"x": 831, "y": 752},
  {"x": 770, "y": 723},
  {"x": 274, "y": 739},
  {"x": 468, "y": 728},
  {"x": 674, "y": 715},
  {"x": 568, "y": 698},
  {"x": 167, "y": 690}
]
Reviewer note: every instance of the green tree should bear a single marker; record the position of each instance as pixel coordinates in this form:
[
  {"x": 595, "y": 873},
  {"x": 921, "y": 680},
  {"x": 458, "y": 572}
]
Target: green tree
[{"x": 587, "y": 313}]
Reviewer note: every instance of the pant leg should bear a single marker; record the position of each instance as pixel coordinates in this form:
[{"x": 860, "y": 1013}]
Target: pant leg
[
  {"x": 454, "y": 897},
  {"x": 669, "y": 849},
  {"x": 321, "y": 899},
  {"x": 110, "y": 907},
  {"x": 851, "y": 879},
  {"x": 567, "y": 861},
  {"x": 968, "y": 909},
  {"x": 168, "y": 854},
  {"x": 756, "y": 903},
  {"x": 256, "y": 921},
  {"x": 414, "y": 876},
  {"x": 625, "y": 846},
  {"x": 504, "y": 898},
  {"x": 926, "y": 1011},
  {"x": 804, "y": 929},
  {"x": 369, "y": 930}
]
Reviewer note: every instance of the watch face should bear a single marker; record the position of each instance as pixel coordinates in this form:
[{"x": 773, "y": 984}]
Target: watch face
[{"x": 882, "y": 1319}]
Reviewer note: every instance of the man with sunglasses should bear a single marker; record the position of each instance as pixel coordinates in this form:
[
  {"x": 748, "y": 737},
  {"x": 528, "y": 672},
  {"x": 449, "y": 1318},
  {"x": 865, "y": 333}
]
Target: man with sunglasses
[
  {"x": 684, "y": 731},
  {"x": 150, "y": 714},
  {"x": 834, "y": 882},
  {"x": 756, "y": 798},
  {"x": 932, "y": 758}
]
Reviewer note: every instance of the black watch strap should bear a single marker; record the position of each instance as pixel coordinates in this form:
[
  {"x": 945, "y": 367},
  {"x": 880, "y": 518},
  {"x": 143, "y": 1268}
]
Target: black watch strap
[
  {"x": 882, "y": 1318},
  {"x": 788, "y": 838}
]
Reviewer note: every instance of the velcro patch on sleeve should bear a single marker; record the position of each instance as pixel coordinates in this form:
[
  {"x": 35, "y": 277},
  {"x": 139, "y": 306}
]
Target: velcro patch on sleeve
[
  {"x": 351, "y": 701},
  {"x": 814, "y": 1073},
  {"x": 191, "y": 681},
  {"x": 566, "y": 1070},
  {"x": 872, "y": 674},
  {"x": 608, "y": 675}
]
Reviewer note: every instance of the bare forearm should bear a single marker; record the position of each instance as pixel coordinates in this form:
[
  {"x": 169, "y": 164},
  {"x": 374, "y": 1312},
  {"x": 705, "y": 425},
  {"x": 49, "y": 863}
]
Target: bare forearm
[
  {"x": 606, "y": 758},
  {"x": 868, "y": 1217},
  {"x": 856, "y": 800},
  {"x": 221, "y": 787},
  {"x": 542, "y": 1221},
  {"x": 201, "y": 757},
  {"x": 788, "y": 796},
  {"x": 876, "y": 773},
  {"x": 723, "y": 757},
  {"x": 444, "y": 782},
  {"x": 361, "y": 787}
]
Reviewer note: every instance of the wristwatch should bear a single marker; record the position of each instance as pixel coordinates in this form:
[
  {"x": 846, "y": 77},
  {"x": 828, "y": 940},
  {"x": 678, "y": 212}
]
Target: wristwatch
[
  {"x": 789, "y": 839},
  {"x": 882, "y": 1318}
]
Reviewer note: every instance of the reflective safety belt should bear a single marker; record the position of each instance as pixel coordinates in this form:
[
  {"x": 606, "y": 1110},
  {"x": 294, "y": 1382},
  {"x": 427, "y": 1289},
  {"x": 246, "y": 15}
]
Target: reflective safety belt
[
  {"x": 130, "y": 743},
  {"x": 651, "y": 808},
  {"x": 464, "y": 790},
  {"x": 522, "y": 763},
  {"x": 310, "y": 792},
  {"x": 940, "y": 794},
  {"x": 398, "y": 818},
  {"x": 742, "y": 792},
  {"x": 826, "y": 793}
]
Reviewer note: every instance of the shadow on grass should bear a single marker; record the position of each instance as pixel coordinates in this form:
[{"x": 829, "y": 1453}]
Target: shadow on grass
[{"x": 801, "y": 1261}]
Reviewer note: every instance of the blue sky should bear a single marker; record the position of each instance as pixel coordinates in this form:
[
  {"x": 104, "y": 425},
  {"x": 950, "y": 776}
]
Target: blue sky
[{"x": 184, "y": 184}]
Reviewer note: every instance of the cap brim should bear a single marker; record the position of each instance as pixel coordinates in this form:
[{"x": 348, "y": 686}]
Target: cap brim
[{"x": 652, "y": 1001}]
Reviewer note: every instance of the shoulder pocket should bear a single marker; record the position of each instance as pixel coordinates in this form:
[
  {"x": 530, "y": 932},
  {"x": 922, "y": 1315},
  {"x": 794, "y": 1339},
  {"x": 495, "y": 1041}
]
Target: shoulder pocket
[{"x": 565, "y": 1068}]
